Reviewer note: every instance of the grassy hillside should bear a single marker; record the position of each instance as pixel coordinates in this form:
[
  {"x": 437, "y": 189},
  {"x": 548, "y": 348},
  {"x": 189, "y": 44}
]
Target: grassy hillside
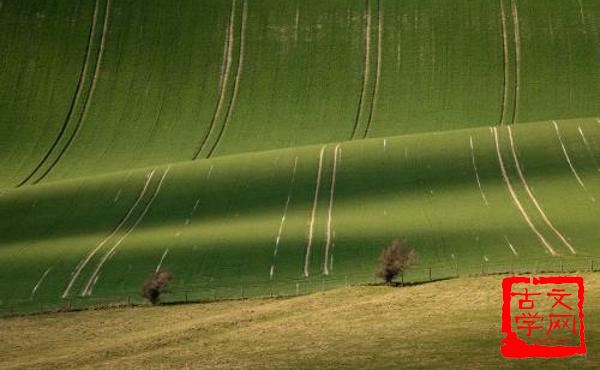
[
  {"x": 95, "y": 86},
  {"x": 470, "y": 201},
  {"x": 451, "y": 324},
  {"x": 260, "y": 147}
]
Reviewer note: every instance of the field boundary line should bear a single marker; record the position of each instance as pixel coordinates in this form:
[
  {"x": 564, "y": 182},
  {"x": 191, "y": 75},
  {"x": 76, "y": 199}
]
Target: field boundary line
[
  {"x": 224, "y": 77},
  {"x": 515, "y": 198},
  {"x": 84, "y": 261},
  {"x": 336, "y": 154},
  {"x": 87, "y": 291},
  {"x": 313, "y": 212},
  {"x": 532, "y": 196}
]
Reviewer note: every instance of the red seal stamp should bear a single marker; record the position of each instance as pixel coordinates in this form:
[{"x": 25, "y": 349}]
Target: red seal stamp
[{"x": 542, "y": 316}]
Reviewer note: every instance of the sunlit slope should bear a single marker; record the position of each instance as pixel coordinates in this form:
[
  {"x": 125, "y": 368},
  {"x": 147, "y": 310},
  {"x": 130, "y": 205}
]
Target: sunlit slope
[
  {"x": 523, "y": 197},
  {"x": 97, "y": 86}
]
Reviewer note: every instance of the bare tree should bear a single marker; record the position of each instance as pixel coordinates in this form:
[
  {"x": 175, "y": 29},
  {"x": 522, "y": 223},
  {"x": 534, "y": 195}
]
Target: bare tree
[
  {"x": 155, "y": 285},
  {"x": 395, "y": 258}
]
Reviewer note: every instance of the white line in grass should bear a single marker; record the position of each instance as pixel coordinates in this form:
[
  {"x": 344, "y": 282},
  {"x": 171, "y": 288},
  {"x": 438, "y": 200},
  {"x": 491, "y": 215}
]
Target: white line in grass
[
  {"x": 296, "y": 23},
  {"x": 366, "y": 64},
  {"x": 587, "y": 146},
  {"x": 88, "y": 55},
  {"x": 238, "y": 73},
  {"x": 98, "y": 62},
  {"x": 512, "y": 247},
  {"x": 117, "y": 196},
  {"x": 87, "y": 291},
  {"x": 384, "y": 144},
  {"x": 506, "y": 62},
  {"x": 564, "y": 150},
  {"x": 195, "y": 208},
  {"x": 532, "y": 196},
  {"x": 225, "y": 71},
  {"x": 515, "y": 15},
  {"x": 331, "y": 258},
  {"x": 581, "y": 14},
  {"x": 477, "y": 172},
  {"x": 86, "y": 260},
  {"x": 161, "y": 260},
  {"x": 313, "y": 213},
  {"x": 336, "y": 154},
  {"x": 515, "y": 199},
  {"x": 378, "y": 66},
  {"x": 210, "y": 170},
  {"x": 285, "y": 209},
  {"x": 35, "y": 288}
]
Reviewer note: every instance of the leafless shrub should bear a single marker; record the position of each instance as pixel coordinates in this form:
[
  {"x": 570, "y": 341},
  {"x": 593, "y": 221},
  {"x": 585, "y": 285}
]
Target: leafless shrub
[
  {"x": 155, "y": 285},
  {"x": 395, "y": 258}
]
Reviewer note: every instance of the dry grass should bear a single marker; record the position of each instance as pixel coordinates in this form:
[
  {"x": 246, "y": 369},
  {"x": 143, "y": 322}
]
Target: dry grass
[{"x": 449, "y": 324}]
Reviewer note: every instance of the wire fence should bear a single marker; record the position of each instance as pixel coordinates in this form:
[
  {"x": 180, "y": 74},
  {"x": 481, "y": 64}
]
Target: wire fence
[{"x": 193, "y": 293}]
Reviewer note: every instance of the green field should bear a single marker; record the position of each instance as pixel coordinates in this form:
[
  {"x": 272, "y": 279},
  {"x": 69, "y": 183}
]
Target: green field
[{"x": 259, "y": 148}]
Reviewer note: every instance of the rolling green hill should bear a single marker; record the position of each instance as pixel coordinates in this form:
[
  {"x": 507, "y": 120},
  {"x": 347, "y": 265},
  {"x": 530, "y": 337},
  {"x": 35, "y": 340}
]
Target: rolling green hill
[{"x": 274, "y": 147}]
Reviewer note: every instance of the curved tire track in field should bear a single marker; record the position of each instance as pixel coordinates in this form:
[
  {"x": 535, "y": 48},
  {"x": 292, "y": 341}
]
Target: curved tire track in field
[
  {"x": 514, "y": 197},
  {"x": 568, "y": 159},
  {"x": 74, "y": 103},
  {"x": 311, "y": 224},
  {"x": 328, "y": 235},
  {"x": 87, "y": 291},
  {"x": 236, "y": 80},
  {"x": 83, "y": 263},
  {"x": 39, "y": 283},
  {"x": 485, "y": 201},
  {"x": 588, "y": 147},
  {"x": 162, "y": 258},
  {"x": 224, "y": 78},
  {"x": 283, "y": 218},
  {"x": 532, "y": 196},
  {"x": 517, "y": 32},
  {"x": 365, "y": 76},
  {"x": 505, "y": 63},
  {"x": 88, "y": 99},
  {"x": 377, "y": 69}
]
